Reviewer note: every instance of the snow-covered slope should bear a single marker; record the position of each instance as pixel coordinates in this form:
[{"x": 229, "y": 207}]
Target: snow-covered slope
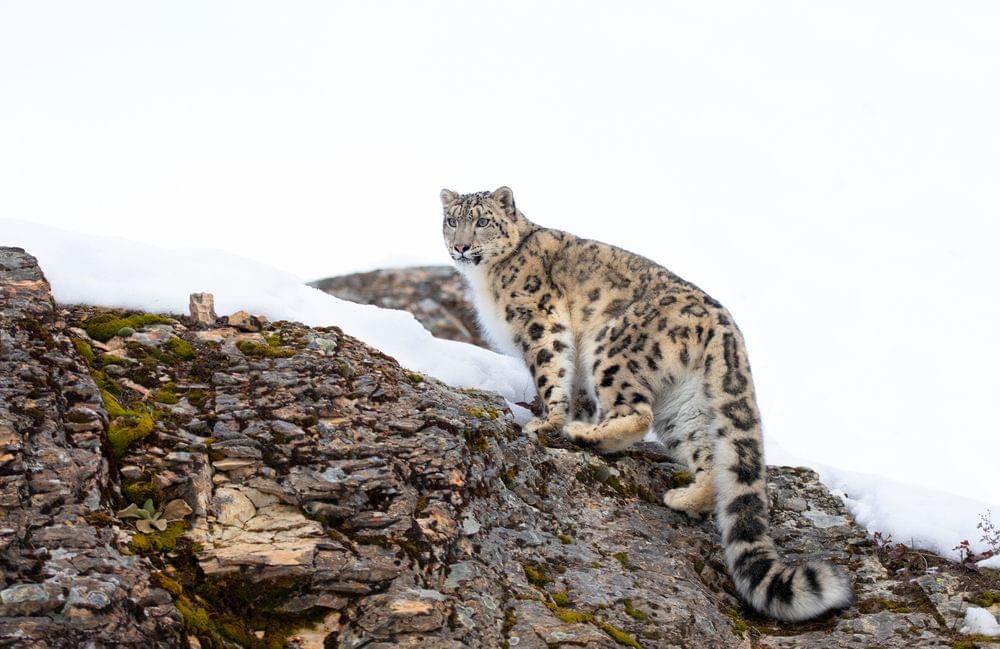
[{"x": 111, "y": 271}]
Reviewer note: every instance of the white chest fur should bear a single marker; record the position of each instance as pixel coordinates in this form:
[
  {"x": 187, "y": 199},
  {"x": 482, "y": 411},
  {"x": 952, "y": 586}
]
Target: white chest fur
[{"x": 491, "y": 319}]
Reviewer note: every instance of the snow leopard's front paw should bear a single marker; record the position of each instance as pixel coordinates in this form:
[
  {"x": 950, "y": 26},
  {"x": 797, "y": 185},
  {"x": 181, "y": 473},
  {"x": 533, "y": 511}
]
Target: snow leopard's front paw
[
  {"x": 548, "y": 425},
  {"x": 582, "y": 433}
]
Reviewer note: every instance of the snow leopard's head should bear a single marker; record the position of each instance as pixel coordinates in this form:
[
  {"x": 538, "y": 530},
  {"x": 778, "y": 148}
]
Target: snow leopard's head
[{"x": 480, "y": 227}]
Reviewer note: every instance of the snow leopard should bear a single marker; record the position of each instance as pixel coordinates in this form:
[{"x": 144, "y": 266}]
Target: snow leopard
[{"x": 617, "y": 345}]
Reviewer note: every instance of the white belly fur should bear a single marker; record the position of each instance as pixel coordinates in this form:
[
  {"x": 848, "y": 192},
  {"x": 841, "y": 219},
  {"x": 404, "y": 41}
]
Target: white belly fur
[{"x": 496, "y": 330}]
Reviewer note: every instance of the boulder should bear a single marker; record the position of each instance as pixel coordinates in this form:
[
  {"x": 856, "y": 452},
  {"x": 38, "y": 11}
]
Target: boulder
[{"x": 202, "y": 308}]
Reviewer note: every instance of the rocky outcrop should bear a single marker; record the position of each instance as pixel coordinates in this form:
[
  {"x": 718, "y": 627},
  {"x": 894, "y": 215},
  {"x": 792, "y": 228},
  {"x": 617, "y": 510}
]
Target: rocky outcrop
[
  {"x": 435, "y": 295},
  {"x": 63, "y": 579},
  {"x": 336, "y": 499}
]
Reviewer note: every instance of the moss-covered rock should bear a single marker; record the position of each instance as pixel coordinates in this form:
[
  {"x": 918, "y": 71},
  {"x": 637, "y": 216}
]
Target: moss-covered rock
[
  {"x": 180, "y": 348},
  {"x": 256, "y": 350},
  {"x": 106, "y": 326},
  {"x": 536, "y": 574},
  {"x": 84, "y": 349},
  {"x": 141, "y": 491},
  {"x": 158, "y": 542},
  {"x": 621, "y": 637},
  {"x": 987, "y": 598},
  {"x": 165, "y": 395},
  {"x": 128, "y": 428}
]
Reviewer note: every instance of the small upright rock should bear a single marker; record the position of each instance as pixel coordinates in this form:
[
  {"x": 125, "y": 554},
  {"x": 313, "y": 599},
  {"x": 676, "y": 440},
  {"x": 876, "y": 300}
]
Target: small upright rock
[{"x": 202, "y": 306}]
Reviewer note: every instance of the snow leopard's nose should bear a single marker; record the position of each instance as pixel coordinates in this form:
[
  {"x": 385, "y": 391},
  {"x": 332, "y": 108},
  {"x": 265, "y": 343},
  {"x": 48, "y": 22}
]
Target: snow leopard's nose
[{"x": 461, "y": 248}]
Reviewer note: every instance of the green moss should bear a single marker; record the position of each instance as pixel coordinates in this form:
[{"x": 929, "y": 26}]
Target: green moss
[
  {"x": 196, "y": 398},
  {"x": 256, "y": 350},
  {"x": 619, "y": 636},
  {"x": 414, "y": 378},
  {"x": 106, "y": 326},
  {"x": 566, "y": 539},
  {"x": 569, "y": 616},
  {"x": 740, "y": 625},
  {"x": 128, "y": 428},
  {"x": 140, "y": 492},
  {"x": 157, "y": 542},
  {"x": 561, "y": 599},
  {"x": 148, "y": 357},
  {"x": 112, "y": 406},
  {"x": 621, "y": 558},
  {"x": 572, "y": 617},
  {"x": 483, "y": 413},
  {"x": 509, "y": 620},
  {"x": 84, "y": 349},
  {"x": 273, "y": 340},
  {"x": 168, "y": 584},
  {"x": 180, "y": 348},
  {"x": 105, "y": 383},
  {"x": 682, "y": 479},
  {"x": 535, "y": 574},
  {"x": 165, "y": 395},
  {"x": 876, "y": 604},
  {"x": 196, "y": 618},
  {"x": 634, "y": 613},
  {"x": 226, "y": 611},
  {"x": 987, "y": 599},
  {"x": 109, "y": 359}
]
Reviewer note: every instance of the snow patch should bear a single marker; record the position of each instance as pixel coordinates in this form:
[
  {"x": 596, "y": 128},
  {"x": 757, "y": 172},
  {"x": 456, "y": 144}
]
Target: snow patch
[
  {"x": 917, "y": 516},
  {"x": 979, "y": 621},
  {"x": 85, "y": 268}
]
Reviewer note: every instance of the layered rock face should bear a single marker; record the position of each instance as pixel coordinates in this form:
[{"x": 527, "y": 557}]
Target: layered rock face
[
  {"x": 63, "y": 579},
  {"x": 336, "y": 499}
]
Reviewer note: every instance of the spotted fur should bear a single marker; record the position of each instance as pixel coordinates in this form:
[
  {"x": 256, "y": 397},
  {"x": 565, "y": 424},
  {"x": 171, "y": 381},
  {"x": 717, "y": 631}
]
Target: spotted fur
[{"x": 618, "y": 345}]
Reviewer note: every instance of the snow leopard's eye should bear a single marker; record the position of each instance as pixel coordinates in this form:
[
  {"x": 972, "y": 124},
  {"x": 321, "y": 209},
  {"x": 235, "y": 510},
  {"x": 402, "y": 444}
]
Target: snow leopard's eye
[
  {"x": 451, "y": 223},
  {"x": 482, "y": 223}
]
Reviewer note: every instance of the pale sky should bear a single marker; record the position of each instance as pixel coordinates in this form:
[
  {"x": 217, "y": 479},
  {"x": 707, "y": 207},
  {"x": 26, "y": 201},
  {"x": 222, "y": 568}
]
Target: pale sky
[{"x": 829, "y": 171}]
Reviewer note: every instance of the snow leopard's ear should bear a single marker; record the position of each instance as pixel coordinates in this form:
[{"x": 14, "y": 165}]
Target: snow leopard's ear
[
  {"x": 505, "y": 197},
  {"x": 448, "y": 197}
]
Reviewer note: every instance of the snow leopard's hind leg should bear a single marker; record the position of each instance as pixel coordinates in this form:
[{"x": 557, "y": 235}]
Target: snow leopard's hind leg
[{"x": 683, "y": 424}]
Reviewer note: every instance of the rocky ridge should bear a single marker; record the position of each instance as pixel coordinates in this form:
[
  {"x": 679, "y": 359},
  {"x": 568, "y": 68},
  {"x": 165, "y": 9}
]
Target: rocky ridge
[{"x": 336, "y": 499}]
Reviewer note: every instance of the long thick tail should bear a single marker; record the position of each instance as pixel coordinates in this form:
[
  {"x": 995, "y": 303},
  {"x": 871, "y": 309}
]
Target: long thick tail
[{"x": 789, "y": 592}]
